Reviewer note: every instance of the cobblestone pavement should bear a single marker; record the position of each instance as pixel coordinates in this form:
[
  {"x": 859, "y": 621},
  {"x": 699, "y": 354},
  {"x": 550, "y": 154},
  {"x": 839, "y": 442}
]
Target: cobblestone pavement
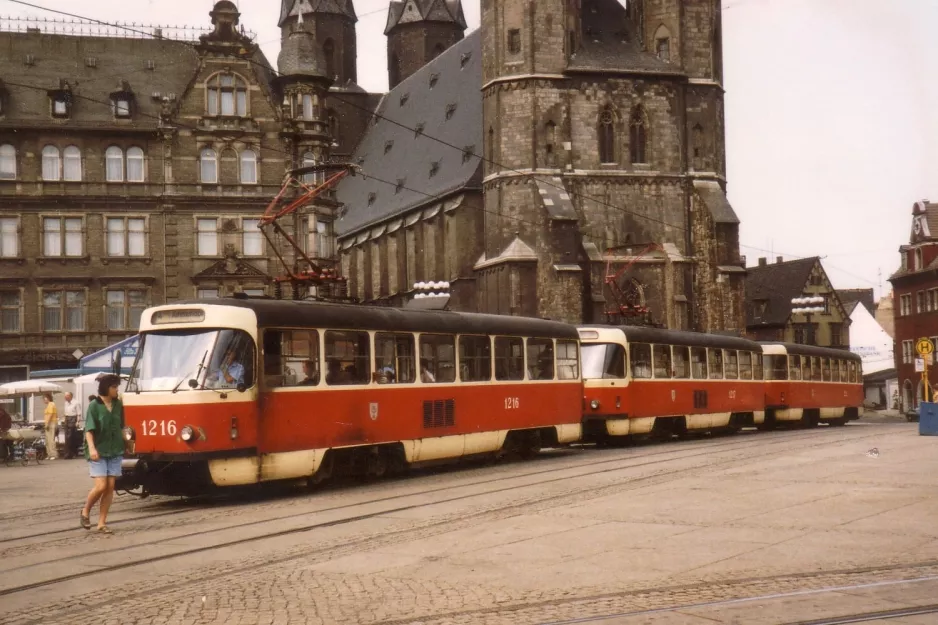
[{"x": 609, "y": 534}]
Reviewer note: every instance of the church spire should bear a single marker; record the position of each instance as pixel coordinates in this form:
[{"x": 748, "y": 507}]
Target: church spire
[{"x": 418, "y": 31}]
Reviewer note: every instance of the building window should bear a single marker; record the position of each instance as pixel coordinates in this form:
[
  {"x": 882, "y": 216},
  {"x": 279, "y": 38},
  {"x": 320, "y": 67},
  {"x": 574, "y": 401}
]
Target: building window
[
  {"x": 663, "y": 49},
  {"x": 906, "y": 352},
  {"x": 120, "y": 106},
  {"x": 248, "y": 167},
  {"x": 919, "y": 265},
  {"x": 836, "y": 334},
  {"x": 314, "y": 177},
  {"x": 60, "y": 105},
  {"x": 124, "y": 308},
  {"x": 9, "y": 237},
  {"x": 252, "y": 240},
  {"x": 637, "y": 135},
  {"x": 905, "y": 305},
  {"x": 319, "y": 238},
  {"x": 607, "y": 136},
  {"x": 51, "y": 164},
  {"x": 305, "y": 108},
  {"x": 208, "y": 166},
  {"x": 920, "y": 302},
  {"x": 227, "y": 95},
  {"x": 328, "y": 55},
  {"x": 72, "y": 164},
  {"x": 207, "y": 236},
  {"x": 62, "y": 236},
  {"x": 7, "y": 162},
  {"x": 805, "y": 333},
  {"x": 114, "y": 164},
  {"x": 126, "y": 236},
  {"x": 10, "y": 311},
  {"x": 514, "y": 41},
  {"x": 136, "y": 165},
  {"x": 207, "y": 293},
  {"x": 63, "y": 311}
]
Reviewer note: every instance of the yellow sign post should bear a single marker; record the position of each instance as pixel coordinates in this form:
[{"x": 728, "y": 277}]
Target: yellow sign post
[{"x": 925, "y": 348}]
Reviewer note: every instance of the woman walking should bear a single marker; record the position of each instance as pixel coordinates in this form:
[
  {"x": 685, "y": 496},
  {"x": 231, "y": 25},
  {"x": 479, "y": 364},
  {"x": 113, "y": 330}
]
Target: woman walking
[
  {"x": 104, "y": 449},
  {"x": 51, "y": 416}
]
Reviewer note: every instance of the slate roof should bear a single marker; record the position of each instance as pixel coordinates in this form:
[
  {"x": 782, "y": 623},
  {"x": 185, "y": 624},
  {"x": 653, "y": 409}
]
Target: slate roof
[
  {"x": 410, "y": 11},
  {"x": 776, "y": 284},
  {"x": 851, "y": 297},
  {"x": 715, "y": 199},
  {"x": 610, "y": 43},
  {"x": 393, "y": 153},
  {"x": 290, "y": 8},
  {"x": 117, "y": 59}
]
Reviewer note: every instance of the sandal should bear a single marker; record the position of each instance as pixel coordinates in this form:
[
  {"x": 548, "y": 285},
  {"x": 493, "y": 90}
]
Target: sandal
[
  {"x": 104, "y": 529},
  {"x": 85, "y": 522}
]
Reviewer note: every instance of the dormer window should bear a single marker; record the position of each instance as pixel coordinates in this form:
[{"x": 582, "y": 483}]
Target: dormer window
[
  {"x": 121, "y": 107},
  {"x": 60, "y": 104},
  {"x": 226, "y": 94}
]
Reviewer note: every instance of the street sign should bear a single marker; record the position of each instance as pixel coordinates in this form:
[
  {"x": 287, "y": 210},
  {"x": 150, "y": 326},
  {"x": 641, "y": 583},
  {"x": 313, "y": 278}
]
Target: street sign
[
  {"x": 924, "y": 347},
  {"x": 919, "y": 365}
]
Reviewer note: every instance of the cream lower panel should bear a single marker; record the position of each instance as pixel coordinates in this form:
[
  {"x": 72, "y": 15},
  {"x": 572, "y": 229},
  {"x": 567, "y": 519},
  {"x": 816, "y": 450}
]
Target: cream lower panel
[
  {"x": 234, "y": 471},
  {"x": 832, "y": 413},
  {"x": 484, "y": 442},
  {"x": 698, "y": 421},
  {"x": 291, "y": 464},
  {"x": 569, "y": 432},
  {"x": 758, "y": 416},
  {"x": 789, "y": 414},
  {"x": 438, "y": 448},
  {"x": 625, "y": 427}
]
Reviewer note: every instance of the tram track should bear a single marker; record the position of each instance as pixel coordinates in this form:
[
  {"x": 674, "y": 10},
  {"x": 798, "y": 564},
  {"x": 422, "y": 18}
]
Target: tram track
[{"x": 441, "y": 526}]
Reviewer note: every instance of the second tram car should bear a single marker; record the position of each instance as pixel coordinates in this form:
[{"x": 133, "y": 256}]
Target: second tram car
[
  {"x": 647, "y": 381},
  {"x": 238, "y": 392}
]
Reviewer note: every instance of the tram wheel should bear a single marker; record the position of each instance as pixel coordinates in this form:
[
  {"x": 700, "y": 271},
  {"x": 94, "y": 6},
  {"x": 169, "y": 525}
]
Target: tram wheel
[{"x": 837, "y": 422}]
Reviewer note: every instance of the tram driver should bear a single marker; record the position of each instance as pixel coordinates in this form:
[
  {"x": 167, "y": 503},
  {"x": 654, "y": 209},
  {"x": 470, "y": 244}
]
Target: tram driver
[{"x": 230, "y": 373}]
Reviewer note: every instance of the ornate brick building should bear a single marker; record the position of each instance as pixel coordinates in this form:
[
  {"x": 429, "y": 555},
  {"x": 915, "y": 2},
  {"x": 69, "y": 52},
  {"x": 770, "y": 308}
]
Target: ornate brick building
[
  {"x": 509, "y": 163},
  {"x": 133, "y": 172}
]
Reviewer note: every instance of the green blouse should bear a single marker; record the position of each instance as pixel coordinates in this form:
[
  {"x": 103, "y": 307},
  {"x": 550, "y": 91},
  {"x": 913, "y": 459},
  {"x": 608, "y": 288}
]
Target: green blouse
[{"x": 107, "y": 428}]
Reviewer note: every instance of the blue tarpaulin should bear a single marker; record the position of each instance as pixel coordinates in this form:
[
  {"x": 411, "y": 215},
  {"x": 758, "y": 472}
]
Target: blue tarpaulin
[{"x": 104, "y": 359}]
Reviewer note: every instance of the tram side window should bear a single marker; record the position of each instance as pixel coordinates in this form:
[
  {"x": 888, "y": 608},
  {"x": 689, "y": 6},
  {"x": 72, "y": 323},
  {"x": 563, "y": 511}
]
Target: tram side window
[
  {"x": 853, "y": 372},
  {"x": 843, "y": 371},
  {"x": 232, "y": 361},
  {"x": 540, "y": 359},
  {"x": 641, "y": 361},
  {"x": 603, "y": 361},
  {"x": 816, "y": 369},
  {"x": 394, "y": 358},
  {"x": 794, "y": 367},
  {"x": 509, "y": 358},
  {"x": 568, "y": 360},
  {"x": 273, "y": 373},
  {"x": 715, "y": 360},
  {"x": 348, "y": 357},
  {"x": 835, "y": 370},
  {"x": 805, "y": 368},
  {"x": 437, "y": 358},
  {"x": 299, "y": 359},
  {"x": 745, "y": 365},
  {"x": 776, "y": 367},
  {"x": 731, "y": 364},
  {"x": 475, "y": 358},
  {"x": 662, "y": 356},
  {"x": 681, "y": 361},
  {"x": 826, "y": 369},
  {"x": 698, "y": 362},
  {"x": 757, "y": 368}
]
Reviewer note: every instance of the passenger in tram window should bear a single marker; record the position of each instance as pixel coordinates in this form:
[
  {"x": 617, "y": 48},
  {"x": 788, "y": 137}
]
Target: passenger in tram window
[
  {"x": 425, "y": 375},
  {"x": 544, "y": 369},
  {"x": 312, "y": 374},
  {"x": 794, "y": 367},
  {"x": 230, "y": 373},
  {"x": 334, "y": 374},
  {"x": 384, "y": 374}
]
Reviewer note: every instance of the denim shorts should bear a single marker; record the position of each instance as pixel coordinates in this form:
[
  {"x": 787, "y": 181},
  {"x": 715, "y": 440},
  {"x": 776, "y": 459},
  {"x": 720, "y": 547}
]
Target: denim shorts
[{"x": 106, "y": 467}]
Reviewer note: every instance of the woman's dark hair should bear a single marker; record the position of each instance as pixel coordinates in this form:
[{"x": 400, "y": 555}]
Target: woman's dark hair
[
  {"x": 106, "y": 382},
  {"x": 48, "y": 396},
  {"x": 91, "y": 398}
]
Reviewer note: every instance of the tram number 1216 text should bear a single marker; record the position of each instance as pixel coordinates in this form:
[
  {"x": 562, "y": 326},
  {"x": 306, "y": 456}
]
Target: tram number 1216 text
[
  {"x": 512, "y": 403},
  {"x": 159, "y": 428}
]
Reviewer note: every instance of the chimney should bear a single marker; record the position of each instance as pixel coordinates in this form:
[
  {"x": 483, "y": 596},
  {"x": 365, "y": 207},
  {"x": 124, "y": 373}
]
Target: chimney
[
  {"x": 762, "y": 262},
  {"x": 778, "y": 259}
]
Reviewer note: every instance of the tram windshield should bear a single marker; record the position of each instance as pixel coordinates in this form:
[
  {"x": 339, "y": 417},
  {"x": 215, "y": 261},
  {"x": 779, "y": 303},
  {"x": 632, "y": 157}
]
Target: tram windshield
[
  {"x": 603, "y": 361},
  {"x": 169, "y": 360}
]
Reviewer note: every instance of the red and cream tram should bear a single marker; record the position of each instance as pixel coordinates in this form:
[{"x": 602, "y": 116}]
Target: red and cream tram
[
  {"x": 237, "y": 392},
  {"x": 811, "y": 385},
  {"x": 641, "y": 381}
]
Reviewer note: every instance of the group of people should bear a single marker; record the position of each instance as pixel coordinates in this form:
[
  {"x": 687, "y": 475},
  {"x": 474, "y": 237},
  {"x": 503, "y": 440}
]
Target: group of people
[{"x": 71, "y": 423}]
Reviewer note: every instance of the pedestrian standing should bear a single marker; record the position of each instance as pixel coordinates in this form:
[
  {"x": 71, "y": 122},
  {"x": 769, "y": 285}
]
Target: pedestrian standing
[
  {"x": 72, "y": 413},
  {"x": 104, "y": 449},
  {"x": 51, "y": 416}
]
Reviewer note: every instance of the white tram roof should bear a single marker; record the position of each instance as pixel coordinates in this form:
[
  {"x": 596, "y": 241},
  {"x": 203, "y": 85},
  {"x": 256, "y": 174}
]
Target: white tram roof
[{"x": 797, "y": 349}]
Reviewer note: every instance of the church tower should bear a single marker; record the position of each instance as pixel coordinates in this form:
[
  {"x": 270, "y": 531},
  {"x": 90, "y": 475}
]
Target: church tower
[
  {"x": 332, "y": 24},
  {"x": 418, "y": 31}
]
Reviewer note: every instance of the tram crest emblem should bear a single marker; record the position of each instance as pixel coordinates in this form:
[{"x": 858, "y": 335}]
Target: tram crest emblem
[{"x": 373, "y": 410}]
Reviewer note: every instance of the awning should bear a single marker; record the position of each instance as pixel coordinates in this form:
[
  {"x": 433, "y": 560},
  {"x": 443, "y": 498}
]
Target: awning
[{"x": 104, "y": 360}]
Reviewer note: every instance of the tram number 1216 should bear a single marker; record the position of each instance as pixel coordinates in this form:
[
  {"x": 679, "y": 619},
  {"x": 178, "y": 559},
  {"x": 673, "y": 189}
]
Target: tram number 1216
[
  {"x": 512, "y": 403},
  {"x": 159, "y": 428}
]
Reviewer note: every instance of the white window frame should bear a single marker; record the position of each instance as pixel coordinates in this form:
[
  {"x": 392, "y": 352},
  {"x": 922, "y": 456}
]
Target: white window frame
[
  {"x": 317, "y": 232},
  {"x": 207, "y": 293},
  {"x": 5, "y": 230},
  {"x": 135, "y": 153},
  {"x": 249, "y": 229},
  {"x": 121, "y": 107},
  {"x": 19, "y": 310},
  {"x": 208, "y": 156},
  {"x": 7, "y": 162},
  {"x": 127, "y": 308},
  {"x": 114, "y": 155},
  {"x": 198, "y": 236},
  {"x": 51, "y": 172},
  {"x": 248, "y": 157},
  {"x": 64, "y": 308},
  {"x": 70, "y": 153},
  {"x": 128, "y": 236},
  {"x": 216, "y": 91},
  {"x": 63, "y": 232}
]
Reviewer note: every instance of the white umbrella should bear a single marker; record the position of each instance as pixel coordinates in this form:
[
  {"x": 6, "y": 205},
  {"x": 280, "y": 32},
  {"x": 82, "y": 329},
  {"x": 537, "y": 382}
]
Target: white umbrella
[{"x": 28, "y": 387}]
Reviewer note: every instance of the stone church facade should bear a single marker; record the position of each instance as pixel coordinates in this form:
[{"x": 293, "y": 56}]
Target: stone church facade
[{"x": 564, "y": 140}]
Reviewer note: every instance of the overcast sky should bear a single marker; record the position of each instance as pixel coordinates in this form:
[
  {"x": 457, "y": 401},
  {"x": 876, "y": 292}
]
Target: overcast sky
[{"x": 831, "y": 114}]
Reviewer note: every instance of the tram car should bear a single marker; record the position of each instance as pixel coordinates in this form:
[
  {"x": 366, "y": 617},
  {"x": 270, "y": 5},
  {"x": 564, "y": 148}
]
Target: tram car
[
  {"x": 243, "y": 391},
  {"x": 648, "y": 382},
  {"x": 810, "y": 385}
]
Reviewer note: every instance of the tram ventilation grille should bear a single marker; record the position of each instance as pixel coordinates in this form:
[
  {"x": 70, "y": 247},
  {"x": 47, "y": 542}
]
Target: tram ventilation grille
[{"x": 439, "y": 413}]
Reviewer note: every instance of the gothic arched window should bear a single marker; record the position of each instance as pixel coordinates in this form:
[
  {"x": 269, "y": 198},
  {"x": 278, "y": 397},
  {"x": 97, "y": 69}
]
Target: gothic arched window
[
  {"x": 607, "y": 136},
  {"x": 637, "y": 135},
  {"x": 328, "y": 53},
  {"x": 114, "y": 164},
  {"x": 663, "y": 43},
  {"x": 697, "y": 140},
  {"x": 51, "y": 163}
]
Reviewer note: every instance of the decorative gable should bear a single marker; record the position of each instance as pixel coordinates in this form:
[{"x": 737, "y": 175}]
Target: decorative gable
[{"x": 231, "y": 266}]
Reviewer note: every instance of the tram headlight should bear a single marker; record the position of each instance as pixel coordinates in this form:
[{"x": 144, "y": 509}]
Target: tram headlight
[
  {"x": 187, "y": 433},
  {"x": 129, "y": 433},
  {"x": 594, "y": 404}
]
